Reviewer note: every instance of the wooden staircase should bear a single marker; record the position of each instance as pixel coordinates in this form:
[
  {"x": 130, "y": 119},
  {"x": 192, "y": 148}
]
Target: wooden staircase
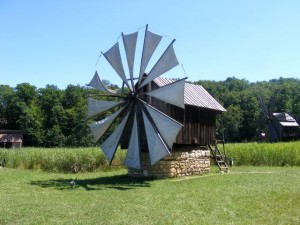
[{"x": 219, "y": 157}]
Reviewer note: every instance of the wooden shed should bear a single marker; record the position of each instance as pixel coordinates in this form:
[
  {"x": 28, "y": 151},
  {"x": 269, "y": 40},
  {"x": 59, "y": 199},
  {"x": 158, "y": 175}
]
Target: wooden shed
[
  {"x": 11, "y": 138},
  {"x": 198, "y": 117},
  {"x": 191, "y": 152},
  {"x": 286, "y": 126}
]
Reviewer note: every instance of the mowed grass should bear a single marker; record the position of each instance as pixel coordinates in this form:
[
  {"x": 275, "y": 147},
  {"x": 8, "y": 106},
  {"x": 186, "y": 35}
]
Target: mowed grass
[{"x": 247, "y": 195}]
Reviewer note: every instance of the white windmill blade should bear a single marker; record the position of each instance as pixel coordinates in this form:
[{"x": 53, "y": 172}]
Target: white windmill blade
[
  {"x": 113, "y": 56},
  {"x": 132, "y": 159},
  {"x": 98, "y": 84},
  {"x": 167, "y": 127},
  {"x": 159, "y": 129},
  {"x": 156, "y": 146},
  {"x": 98, "y": 128},
  {"x": 129, "y": 41},
  {"x": 151, "y": 42},
  {"x": 109, "y": 146},
  {"x": 96, "y": 107},
  {"x": 166, "y": 62},
  {"x": 172, "y": 93}
]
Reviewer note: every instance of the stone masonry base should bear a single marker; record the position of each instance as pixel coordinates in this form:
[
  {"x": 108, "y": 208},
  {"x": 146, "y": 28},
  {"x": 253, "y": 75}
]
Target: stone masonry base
[{"x": 178, "y": 164}]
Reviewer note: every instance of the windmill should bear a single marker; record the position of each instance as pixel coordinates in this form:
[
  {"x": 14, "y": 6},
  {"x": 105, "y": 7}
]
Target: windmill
[
  {"x": 269, "y": 118},
  {"x": 131, "y": 120}
]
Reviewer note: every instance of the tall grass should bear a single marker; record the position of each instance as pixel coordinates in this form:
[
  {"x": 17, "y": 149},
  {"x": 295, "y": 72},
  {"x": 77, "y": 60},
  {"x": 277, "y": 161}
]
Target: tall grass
[
  {"x": 265, "y": 154},
  {"x": 74, "y": 160},
  {"x": 66, "y": 160}
]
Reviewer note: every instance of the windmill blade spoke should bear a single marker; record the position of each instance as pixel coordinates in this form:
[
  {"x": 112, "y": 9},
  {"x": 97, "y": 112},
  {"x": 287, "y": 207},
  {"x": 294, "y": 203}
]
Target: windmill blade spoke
[
  {"x": 273, "y": 137},
  {"x": 167, "y": 127},
  {"x": 166, "y": 62},
  {"x": 130, "y": 46},
  {"x": 157, "y": 147},
  {"x": 96, "y": 107},
  {"x": 97, "y": 83},
  {"x": 132, "y": 159},
  {"x": 98, "y": 128},
  {"x": 172, "y": 93},
  {"x": 151, "y": 42},
  {"x": 113, "y": 56},
  {"x": 109, "y": 146}
]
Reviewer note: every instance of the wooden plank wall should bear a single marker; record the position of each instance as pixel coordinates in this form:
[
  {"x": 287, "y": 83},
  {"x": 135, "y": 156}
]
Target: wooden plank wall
[
  {"x": 199, "y": 127},
  {"x": 199, "y": 123}
]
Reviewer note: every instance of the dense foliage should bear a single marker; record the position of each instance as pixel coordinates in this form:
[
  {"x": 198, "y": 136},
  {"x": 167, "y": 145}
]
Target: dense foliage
[
  {"x": 244, "y": 118},
  {"x": 51, "y": 117}
]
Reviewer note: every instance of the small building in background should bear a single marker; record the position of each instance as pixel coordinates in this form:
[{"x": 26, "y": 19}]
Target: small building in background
[
  {"x": 9, "y": 138},
  {"x": 286, "y": 126}
]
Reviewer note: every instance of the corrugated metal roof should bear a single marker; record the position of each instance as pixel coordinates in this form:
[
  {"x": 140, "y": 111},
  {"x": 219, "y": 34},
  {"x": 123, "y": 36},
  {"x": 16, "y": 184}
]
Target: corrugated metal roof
[
  {"x": 286, "y": 120},
  {"x": 289, "y": 124},
  {"x": 284, "y": 117},
  {"x": 194, "y": 95}
]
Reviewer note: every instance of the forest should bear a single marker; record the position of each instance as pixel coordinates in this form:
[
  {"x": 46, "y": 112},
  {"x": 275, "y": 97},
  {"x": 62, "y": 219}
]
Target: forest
[{"x": 51, "y": 117}]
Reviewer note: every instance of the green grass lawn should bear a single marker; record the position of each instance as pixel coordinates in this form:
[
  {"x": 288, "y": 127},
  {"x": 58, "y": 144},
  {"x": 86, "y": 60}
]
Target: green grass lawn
[{"x": 247, "y": 195}]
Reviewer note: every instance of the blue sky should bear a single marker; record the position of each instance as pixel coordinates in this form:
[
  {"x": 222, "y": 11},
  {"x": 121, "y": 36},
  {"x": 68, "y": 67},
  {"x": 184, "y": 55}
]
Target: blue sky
[{"x": 58, "y": 42}]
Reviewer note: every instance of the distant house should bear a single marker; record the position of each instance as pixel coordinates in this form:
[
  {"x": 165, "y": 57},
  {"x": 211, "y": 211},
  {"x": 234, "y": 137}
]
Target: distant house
[
  {"x": 199, "y": 116},
  {"x": 11, "y": 138},
  {"x": 286, "y": 126}
]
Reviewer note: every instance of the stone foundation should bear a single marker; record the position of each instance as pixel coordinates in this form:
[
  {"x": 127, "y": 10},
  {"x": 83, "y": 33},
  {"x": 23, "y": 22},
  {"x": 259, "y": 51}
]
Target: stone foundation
[{"x": 178, "y": 164}]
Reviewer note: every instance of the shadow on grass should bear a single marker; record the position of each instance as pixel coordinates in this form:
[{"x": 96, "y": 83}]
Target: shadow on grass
[{"x": 118, "y": 182}]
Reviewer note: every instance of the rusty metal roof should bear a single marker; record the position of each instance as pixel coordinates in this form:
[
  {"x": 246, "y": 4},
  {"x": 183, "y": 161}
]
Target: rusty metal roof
[{"x": 194, "y": 95}]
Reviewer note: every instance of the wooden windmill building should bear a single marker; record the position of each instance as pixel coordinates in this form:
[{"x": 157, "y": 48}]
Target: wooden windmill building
[
  {"x": 156, "y": 115},
  {"x": 199, "y": 117},
  {"x": 190, "y": 153}
]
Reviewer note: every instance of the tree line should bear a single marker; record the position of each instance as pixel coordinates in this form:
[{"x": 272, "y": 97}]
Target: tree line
[
  {"x": 48, "y": 116},
  {"x": 51, "y": 117},
  {"x": 244, "y": 118}
]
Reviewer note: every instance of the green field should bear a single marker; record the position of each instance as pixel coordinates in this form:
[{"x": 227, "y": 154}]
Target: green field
[{"x": 247, "y": 195}]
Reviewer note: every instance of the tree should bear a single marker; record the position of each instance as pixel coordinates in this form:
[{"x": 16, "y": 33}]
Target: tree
[
  {"x": 76, "y": 131},
  {"x": 50, "y": 99},
  {"x": 6, "y": 98},
  {"x": 251, "y": 114},
  {"x": 29, "y": 117},
  {"x": 232, "y": 122},
  {"x": 30, "y": 121}
]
